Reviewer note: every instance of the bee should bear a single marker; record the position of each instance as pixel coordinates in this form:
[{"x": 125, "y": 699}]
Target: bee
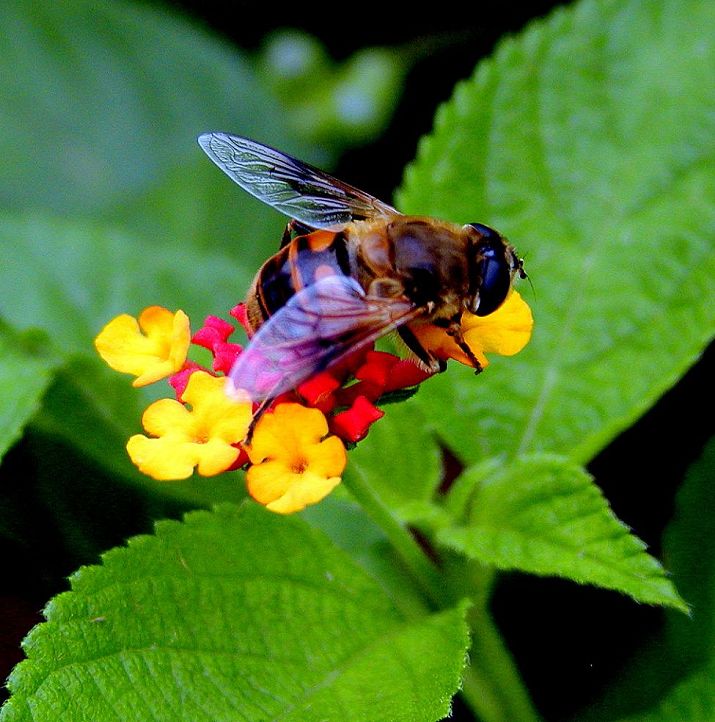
[{"x": 351, "y": 269}]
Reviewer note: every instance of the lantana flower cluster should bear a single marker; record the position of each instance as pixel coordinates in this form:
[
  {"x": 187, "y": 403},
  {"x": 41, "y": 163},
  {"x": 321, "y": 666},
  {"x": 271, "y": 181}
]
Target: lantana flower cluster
[{"x": 296, "y": 454}]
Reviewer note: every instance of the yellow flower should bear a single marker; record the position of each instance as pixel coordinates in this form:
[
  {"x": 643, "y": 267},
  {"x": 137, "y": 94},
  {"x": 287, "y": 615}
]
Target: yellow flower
[
  {"x": 505, "y": 332},
  {"x": 151, "y": 348},
  {"x": 203, "y": 436},
  {"x": 294, "y": 465}
]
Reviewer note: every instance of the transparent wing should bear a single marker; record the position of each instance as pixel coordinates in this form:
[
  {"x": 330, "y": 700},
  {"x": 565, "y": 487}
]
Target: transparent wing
[
  {"x": 319, "y": 326},
  {"x": 292, "y": 187}
]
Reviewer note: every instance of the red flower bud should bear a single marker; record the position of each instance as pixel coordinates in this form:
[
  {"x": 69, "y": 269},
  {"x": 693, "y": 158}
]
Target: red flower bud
[{"x": 352, "y": 425}]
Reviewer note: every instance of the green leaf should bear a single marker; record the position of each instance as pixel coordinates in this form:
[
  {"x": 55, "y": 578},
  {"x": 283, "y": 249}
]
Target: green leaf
[
  {"x": 237, "y": 614},
  {"x": 587, "y": 140},
  {"x": 400, "y": 457},
  {"x": 71, "y": 278},
  {"x": 331, "y": 104},
  {"x": 545, "y": 516},
  {"x": 102, "y": 100},
  {"x": 25, "y": 373},
  {"x": 693, "y": 700},
  {"x": 351, "y": 529}
]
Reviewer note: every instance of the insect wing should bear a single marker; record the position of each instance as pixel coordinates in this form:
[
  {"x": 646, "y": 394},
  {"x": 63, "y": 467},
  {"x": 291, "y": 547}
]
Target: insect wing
[
  {"x": 318, "y": 327},
  {"x": 290, "y": 186}
]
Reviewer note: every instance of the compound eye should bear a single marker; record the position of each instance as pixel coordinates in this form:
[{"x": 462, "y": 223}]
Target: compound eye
[
  {"x": 494, "y": 264},
  {"x": 495, "y": 280},
  {"x": 487, "y": 233}
]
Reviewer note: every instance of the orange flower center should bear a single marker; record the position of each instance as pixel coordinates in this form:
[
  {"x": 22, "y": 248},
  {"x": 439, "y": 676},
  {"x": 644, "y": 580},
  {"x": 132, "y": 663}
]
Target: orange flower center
[{"x": 299, "y": 465}]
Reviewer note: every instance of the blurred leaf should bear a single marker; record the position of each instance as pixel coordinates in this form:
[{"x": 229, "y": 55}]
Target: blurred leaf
[
  {"x": 545, "y": 516},
  {"x": 100, "y": 100},
  {"x": 693, "y": 700},
  {"x": 89, "y": 407},
  {"x": 588, "y": 141},
  {"x": 101, "y": 106},
  {"x": 688, "y": 549},
  {"x": 196, "y": 207},
  {"x": 238, "y": 614},
  {"x": 333, "y": 105},
  {"x": 70, "y": 278},
  {"x": 25, "y": 372}
]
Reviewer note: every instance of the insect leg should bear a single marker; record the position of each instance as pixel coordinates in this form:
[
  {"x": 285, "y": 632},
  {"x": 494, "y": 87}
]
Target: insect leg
[
  {"x": 455, "y": 331},
  {"x": 262, "y": 408},
  {"x": 425, "y": 357}
]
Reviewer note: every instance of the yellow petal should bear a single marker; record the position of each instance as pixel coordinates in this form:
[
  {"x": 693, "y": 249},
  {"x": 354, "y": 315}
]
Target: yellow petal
[
  {"x": 180, "y": 339},
  {"x": 167, "y": 458},
  {"x": 440, "y": 344},
  {"x": 269, "y": 480},
  {"x": 285, "y": 432},
  {"x": 506, "y": 331},
  {"x": 284, "y": 492},
  {"x": 215, "y": 456},
  {"x": 309, "y": 491},
  {"x": 214, "y": 413},
  {"x": 328, "y": 458},
  {"x": 157, "y": 323},
  {"x": 122, "y": 346},
  {"x": 151, "y": 348},
  {"x": 167, "y": 416}
]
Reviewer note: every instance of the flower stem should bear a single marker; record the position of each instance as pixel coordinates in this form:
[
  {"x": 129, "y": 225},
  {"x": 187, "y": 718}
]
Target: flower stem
[
  {"x": 491, "y": 684},
  {"x": 423, "y": 570}
]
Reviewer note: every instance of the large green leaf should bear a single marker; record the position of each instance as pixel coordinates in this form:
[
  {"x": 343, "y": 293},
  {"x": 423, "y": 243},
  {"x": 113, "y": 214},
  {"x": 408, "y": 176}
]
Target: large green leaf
[
  {"x": 70, "y": 278},
  {"x": 25, "y": 373},
  {"x": 588, "y": 141},
  {"x": 351, "y": 529},
  {"x": 238, "y": 614},
  {"x": 544, "y": 515},
  {"x": 101, "y": 104},
  {"x": 100, "y": 100}
]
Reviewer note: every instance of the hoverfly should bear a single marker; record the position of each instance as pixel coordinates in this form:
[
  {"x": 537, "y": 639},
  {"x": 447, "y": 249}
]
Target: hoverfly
[{"x": 351, "y": 269}]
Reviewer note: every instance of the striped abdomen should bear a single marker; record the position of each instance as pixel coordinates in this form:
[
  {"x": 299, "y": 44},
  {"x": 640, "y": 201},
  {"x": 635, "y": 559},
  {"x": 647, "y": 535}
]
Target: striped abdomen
[{"x": 300, "y": 263}]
